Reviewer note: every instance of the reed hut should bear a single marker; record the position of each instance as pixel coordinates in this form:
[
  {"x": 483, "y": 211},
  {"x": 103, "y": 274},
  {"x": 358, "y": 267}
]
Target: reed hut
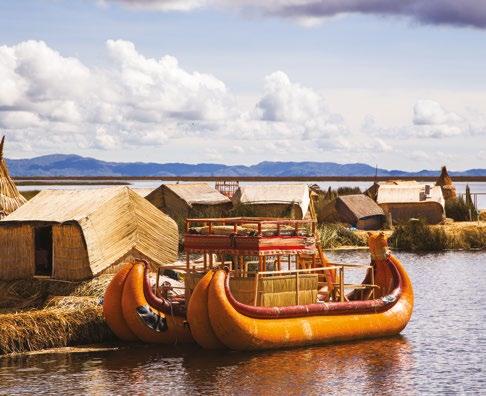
[
  {"x": 357, "y": 210},
  {"x": 181, "y": 201},
  {"x": 78, "y": 234},
  {"x": 273, "y": 200},
  {"x": 406, "y": 201},
  {"x": 445, "y": 183},
  {"x": 10, "y": 198}
]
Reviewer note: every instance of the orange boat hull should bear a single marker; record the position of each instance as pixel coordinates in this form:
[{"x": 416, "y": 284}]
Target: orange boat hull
[{"x": 239, "y": 331}]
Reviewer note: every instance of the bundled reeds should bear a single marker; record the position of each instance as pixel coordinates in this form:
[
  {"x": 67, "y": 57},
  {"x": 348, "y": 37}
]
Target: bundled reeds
[
  {"x": 10, "y": 198},
  {"x": 63, "y": 323},
  {"x": 39, "y": 314}
]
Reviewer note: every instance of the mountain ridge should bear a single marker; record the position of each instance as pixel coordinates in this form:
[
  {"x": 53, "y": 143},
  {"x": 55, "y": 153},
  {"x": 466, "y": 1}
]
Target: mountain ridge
[{"x": 76, "y": 165}]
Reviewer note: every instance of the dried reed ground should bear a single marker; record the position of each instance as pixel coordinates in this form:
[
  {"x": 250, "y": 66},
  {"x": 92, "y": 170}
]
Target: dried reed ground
[{"x": 53, "y": 314}]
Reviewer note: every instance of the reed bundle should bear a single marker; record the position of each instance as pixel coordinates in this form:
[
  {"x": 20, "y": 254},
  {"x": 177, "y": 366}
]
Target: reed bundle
[{"x": 66, "y": 321}]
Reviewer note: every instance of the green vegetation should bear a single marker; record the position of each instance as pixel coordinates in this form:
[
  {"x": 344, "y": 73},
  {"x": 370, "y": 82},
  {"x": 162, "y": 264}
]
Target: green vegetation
[
  {"x": 348, "y": 191},
  {"x": 461, "y": 208},
  {"x": 334, "y": 235},
  {"x": 417, "y": 235}
]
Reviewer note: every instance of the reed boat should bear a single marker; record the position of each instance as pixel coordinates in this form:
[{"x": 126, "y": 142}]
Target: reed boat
[
  {"x": 262, "y": 283},
  {"x": 135, "y": 313}
]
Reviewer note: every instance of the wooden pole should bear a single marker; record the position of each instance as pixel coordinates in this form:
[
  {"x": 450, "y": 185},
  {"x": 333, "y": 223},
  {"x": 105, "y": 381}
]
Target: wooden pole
[
  {"x": 341, "y": 284},
  {"x": 297, "y": 288},
  {"x": 255, "y": 298}
]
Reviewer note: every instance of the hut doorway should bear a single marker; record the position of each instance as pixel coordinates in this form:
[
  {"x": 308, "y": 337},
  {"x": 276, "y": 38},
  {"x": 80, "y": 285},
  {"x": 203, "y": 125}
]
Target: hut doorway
[{"x": 43, "y": 251}]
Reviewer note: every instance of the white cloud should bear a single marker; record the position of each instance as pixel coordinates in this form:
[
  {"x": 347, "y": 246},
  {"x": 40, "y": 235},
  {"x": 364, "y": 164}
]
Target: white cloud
[
  {"x": 429, "y": 112},
  {"x": 299, "y": 108},
  {"x": 65, "y": 106},
  {"x": 135, "y": 100},
  {"x": 430, "y": 121}
]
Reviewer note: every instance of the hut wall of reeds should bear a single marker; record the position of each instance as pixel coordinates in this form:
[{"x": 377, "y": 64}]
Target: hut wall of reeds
[
  {"x": 77, "y": 234},
  {"x": 17, "y": 252},
  {"x": 181, "y": 201},
  {"x": 274, "y": 200},
  {"x": 412, "y": 201},
  {"x": 357, "y": 210},
  {"x": 10, "y": 198}
]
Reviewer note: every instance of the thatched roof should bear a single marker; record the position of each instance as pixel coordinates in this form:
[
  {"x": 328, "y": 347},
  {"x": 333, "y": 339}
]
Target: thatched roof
[
  {"x": 360, "y": 205},
  {"x": 114, "y": 222},
  {"x": 197, "y": 193},
  {"x": 10, "y": 198},
  {"x": 412, "y": 193},
  {"x": 265, "y": 194}
]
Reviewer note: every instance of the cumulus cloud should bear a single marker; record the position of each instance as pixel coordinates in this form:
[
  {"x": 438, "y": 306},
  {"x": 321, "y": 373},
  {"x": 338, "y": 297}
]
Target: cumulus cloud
[
  {"x": 435, "y": 12},
  {"x": 298, "y": 108},
  {"x": 136, "y": 101},
  {"x": 430, "y": 119},
  {"x": 429, "y": 112}
]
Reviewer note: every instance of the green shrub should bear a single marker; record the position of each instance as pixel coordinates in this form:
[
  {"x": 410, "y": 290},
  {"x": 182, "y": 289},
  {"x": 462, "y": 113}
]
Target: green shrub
[
  {"x": 336, "y": 235},
  {"x": 459, "y": 210},
  {"x": 417, "y": 235},
  {"x": 348, "y": 191}
]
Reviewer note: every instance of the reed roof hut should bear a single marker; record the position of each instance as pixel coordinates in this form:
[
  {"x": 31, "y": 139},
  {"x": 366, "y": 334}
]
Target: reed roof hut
[
  {"x": 10, "y": 198},
  {"x": 406, "y": 201},
  {"x": 78, "y": 234},
  {"x": 274, "y": 200},
  {"x": 445, "y": 183},
  {"x": 357, "y": 210},
  {"x": 181, "y": 201}
]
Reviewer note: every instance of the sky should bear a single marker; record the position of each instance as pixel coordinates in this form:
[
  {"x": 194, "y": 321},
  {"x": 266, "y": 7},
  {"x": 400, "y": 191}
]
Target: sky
[{"x": 398, "y": 84}]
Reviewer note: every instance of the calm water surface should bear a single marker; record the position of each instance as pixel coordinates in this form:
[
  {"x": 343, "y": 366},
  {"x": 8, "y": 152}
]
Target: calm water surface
[
  {"x": 442, "y": 350},
  {"x": 476, "y": 187}
]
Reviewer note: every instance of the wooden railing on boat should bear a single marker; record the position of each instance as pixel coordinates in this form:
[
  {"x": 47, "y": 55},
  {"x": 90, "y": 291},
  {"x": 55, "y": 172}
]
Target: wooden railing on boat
[{"x": 338, "y": 292}]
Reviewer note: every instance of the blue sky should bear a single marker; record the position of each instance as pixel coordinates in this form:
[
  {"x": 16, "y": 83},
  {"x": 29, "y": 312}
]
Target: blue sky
[{"x": 248, "y": 85}]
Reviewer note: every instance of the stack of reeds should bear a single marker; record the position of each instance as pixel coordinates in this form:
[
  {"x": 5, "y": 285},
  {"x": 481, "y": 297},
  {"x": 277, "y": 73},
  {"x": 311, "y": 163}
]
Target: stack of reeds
[
  {"x": 63, "y": 322},
  {"x": 10, "y": 198},
  {"x": 40, "y": 314}
]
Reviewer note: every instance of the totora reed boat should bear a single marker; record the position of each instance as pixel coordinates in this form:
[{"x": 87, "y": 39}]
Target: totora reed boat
[{"x": 261, "y": 283}]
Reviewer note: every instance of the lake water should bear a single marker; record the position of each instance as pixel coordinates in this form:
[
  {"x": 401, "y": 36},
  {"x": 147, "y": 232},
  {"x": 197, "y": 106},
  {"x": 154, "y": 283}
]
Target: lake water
[
  {"x": 441, "y": 351},
  {"x": 476, "y": 187}
]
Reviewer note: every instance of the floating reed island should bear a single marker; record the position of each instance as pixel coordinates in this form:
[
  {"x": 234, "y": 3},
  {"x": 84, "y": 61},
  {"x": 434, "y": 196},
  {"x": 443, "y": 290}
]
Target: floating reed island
[{"x": 59, "y": 249}]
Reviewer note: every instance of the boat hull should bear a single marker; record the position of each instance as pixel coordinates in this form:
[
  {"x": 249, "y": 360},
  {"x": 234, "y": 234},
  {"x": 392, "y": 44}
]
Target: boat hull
[
  {"x": 239, "y": 331},
  {"x": 130, "y": 311}
]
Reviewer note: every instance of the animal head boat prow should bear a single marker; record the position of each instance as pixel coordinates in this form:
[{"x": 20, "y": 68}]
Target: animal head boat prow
[{"x": 378, "y": 245}]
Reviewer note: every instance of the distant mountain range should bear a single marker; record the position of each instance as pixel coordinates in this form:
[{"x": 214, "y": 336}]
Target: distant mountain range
[{"x": 75, "y": 165}]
